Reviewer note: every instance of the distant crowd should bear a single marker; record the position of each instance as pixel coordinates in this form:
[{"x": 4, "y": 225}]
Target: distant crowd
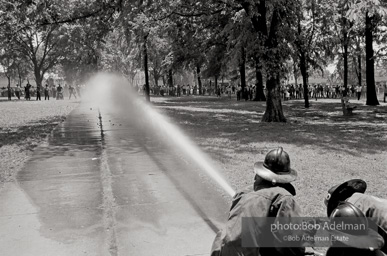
[
  {"x": 187, "y": 90},
  {"x": 292, "y": 91},
  {"x": 177, "y": 90},
  {"x": 288, "y": 91},
  {"x": 57, "y": 92}
]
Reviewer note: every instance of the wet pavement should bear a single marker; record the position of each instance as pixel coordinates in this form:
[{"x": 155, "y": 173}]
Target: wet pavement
[{"x": 102, "y": 185}]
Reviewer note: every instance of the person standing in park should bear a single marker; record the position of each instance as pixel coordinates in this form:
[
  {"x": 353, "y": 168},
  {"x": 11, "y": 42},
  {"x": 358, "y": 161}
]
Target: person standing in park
[
  {"x": 358, "y": 91},
  {"x": 38, "y": 88},
  {"x": 287, "y": 94},
  {"x": 271, "y": 195},
  {"x": 327, "y": 91},
  {"x": 315, "y": 91},
  {"x": 353, "y": 90},
  {"x": 337, "y": 91},
  {"x": 9, "y": 93},
  {"x": 178, "y": 91},
  {"x": 364, "y": 91},
  {"x": 27, "y": 91},
  {"x": 59, "y": 93},
  {"x": 72, "y": 92},
  {"x": 46, "y": 93},
  {"x": 17, "y": 91}
]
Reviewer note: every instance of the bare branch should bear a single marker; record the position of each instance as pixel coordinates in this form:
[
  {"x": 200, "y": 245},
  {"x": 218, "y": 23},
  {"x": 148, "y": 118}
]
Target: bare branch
[{"x": 73, "y": 19}]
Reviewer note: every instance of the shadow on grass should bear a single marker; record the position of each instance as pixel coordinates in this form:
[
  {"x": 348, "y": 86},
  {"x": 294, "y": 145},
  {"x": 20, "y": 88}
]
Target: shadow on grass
[
  {"x": 322, "y": 125},
  {"x": 19, "y": 135}
]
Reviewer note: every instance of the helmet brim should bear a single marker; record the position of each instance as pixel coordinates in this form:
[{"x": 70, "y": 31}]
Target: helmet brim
[
  {"x": 269, "y": 175},
  {"x": 343, "y": 192}
]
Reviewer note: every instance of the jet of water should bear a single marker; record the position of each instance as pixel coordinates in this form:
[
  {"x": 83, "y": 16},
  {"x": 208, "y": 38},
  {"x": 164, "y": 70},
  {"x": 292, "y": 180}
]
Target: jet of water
[
  {"x": 106, "y": 89},
  {"x": 184, "y": 143}
]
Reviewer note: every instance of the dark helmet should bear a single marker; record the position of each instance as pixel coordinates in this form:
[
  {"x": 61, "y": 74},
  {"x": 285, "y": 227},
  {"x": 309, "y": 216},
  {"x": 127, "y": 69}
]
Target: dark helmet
[
  {"x": 276, "y": 167},
  {"x": 277, "y": 160},
  {"x": 347, "y": 209},
  {"x": 365, "y": 236},
  {"x": 352, "y": 215}
]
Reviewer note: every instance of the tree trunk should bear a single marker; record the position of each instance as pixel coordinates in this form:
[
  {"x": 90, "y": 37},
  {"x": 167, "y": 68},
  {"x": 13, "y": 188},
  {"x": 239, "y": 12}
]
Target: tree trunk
[
  {"x": 145, "y": 53},
  {"x": 345, "y": 44},
  {"x": 295, "y": 73},
  {"x": 199, "y": 79},
  {"x": 156, "y": 77},
  {"x": 216, "y": 85},
  {"x": 345, "y": 66},
  {"x": 259, "y": 93},
  {"x": 242, "y": 68},
  {"x": 9, "y": 87},
  {"x": 38, "y": 77},
  {"x": 19, "y": 75},
  {"x": 170, "y": 78},
  {"x": 359, "y": 67},
  {"x": 372, "y": 99},
  {"x": 274, "y": 112},
  {"x": 163, "y": 77},
  {"x": 305, "y": 77}
]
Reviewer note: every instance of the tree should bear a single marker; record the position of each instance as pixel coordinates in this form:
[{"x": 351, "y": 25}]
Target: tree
[
  {"x": 369, "y": 12},
  {"x": 158, "y": 53},
  {"x": 189, "y": 39},
  {"x": 22, "y": 68},
  {"x": 215, "y": 63},
  {"x": 312, "y": 39},
  {"x": 8, "y": 64},
  {"x": 83, "y": 51},
  {"x": 357, "y": 50},
  {"x": 121, "y": 53},
  {"x": 138, "y": 17},
  {"x": 41, "y": 45},
  {"x": 271, "y": 21}
]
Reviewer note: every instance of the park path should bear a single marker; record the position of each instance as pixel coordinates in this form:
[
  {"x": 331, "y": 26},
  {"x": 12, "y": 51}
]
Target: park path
[{"x": 103, "y": 186}]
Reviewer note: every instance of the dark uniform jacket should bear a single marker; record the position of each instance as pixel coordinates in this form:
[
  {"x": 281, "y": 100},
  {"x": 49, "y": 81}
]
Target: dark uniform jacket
[
  {"x": 374, "y": 208},
  {"x": 262, "y": 200}
]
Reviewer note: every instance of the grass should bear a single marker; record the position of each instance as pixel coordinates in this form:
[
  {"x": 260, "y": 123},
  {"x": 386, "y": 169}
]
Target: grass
[{"x": 325, "y": 147}]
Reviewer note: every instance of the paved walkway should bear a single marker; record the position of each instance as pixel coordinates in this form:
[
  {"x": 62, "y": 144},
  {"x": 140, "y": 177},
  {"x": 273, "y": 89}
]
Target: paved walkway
[{"x": 103, "y": 186}]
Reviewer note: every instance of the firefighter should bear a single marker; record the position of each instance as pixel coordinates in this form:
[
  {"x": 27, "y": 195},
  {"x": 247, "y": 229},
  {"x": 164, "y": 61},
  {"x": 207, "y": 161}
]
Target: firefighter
[
  {"x": 362, "y": 242},
  {"x": 271, "y": 195},
  {"x": 372, "y": 207}
]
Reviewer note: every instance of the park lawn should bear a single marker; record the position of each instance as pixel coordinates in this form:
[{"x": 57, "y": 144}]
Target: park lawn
[
  {"x": 23, "y": 126},
  {"x": 325, "y": 147}
]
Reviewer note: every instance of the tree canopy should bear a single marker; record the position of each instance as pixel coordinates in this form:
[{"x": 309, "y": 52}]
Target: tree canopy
[{"x": 210, "y": 38}]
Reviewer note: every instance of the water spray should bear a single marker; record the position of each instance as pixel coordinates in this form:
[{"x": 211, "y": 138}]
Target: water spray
[
  {"x": 119, "y": 94},
  {"x": 183, "y": 142}
]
